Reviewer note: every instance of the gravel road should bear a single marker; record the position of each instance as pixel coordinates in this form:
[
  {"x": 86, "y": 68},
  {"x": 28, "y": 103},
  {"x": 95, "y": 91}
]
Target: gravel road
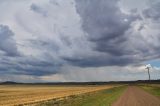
[{"x": 135, "y": 96}]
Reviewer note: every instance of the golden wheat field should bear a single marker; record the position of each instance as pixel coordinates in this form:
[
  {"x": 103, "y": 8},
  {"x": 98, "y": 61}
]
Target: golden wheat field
[{"x": 24, "y": 94}]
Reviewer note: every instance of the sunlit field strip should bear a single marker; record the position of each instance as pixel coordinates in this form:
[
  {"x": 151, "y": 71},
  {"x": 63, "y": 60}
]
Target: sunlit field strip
[{"x": 24, "y": 94}]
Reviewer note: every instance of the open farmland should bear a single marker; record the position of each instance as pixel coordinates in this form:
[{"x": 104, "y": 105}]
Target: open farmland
[
  {"x": 131, "y": 95},
  {"x": 80, "y": 95},
  {"x": 24, "y": 94},
  {"x": 100, "y": 98}
]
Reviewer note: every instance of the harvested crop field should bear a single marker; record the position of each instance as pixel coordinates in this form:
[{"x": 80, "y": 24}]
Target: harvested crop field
[
  {"x": 24, "y": 94},
  {"x": 99, "y": 98}
]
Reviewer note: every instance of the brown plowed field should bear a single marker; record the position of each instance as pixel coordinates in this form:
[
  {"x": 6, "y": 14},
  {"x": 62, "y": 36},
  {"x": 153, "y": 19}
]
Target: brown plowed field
[{"x": 135, "y": 96}]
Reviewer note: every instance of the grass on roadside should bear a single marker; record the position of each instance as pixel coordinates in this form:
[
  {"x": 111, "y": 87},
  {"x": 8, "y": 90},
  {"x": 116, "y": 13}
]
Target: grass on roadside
[
  {"x": 155, "y": 90},
  {"x": 99, "y": 98}
]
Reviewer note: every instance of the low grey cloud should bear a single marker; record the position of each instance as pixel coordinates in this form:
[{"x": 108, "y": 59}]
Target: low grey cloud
[
  {"x": 28, "y": 66},
  {"x": 7, "y": 42}
]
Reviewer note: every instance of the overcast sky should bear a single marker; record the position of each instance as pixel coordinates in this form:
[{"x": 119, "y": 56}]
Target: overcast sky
[{"x": 79, "y": 40}]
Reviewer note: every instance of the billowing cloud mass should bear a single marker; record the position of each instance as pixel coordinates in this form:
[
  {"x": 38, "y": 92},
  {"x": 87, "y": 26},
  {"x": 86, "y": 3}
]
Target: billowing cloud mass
[
  {"x": 78, "y": 40},
  {"x": 7, "y": 43},
  {"x": 114, "y": 34}
]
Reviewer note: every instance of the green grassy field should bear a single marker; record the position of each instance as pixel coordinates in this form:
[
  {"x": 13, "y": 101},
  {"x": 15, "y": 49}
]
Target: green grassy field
[
  {"x": 155, "y": 90},
  {"x": 99, "y": 98}
]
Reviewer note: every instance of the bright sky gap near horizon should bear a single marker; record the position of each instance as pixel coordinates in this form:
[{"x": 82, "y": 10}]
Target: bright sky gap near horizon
[{"x": 79, "y": 40}]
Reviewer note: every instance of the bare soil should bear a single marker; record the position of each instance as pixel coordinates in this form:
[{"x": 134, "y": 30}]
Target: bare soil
[{"x": 135, "y": 96}]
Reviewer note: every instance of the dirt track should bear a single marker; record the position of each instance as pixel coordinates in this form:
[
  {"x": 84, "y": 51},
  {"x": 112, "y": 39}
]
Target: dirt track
[{"x": 135, "y": 96}]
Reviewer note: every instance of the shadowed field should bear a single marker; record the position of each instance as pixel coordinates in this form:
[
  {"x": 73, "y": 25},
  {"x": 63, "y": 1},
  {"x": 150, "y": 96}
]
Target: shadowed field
[{"x": 24, "y": 94}]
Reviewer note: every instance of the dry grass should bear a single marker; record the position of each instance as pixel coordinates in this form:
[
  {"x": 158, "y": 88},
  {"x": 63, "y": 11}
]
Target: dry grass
[
  {"x": 23, "y": 94},
  {"x": 155, "y": 85}
]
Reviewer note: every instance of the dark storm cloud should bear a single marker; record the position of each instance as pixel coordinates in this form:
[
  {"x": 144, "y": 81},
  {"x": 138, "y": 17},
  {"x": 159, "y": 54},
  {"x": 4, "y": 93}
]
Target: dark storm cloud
[
  {"x": 105, "y": 24},
  {"x": 100, "y": 61},
  {"x": 13, "y": 62},
  {"x": 28, "y": 66},
  {"x": 101, "y": 18},
  {"x": 113, "y": 35},
  {"x": 89, "y": 33},
  {"x": 7, "y": 43}
]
